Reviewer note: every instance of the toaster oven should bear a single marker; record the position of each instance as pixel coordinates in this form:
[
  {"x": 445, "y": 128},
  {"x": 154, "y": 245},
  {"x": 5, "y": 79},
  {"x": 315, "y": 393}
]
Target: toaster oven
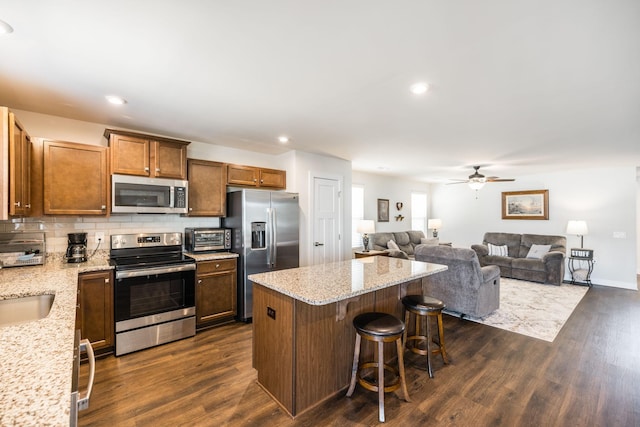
[{"x": 207, "y": 239}]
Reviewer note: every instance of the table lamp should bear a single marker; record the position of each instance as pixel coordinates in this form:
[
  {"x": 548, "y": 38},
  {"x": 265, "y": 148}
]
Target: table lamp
[
  {"x": 365, "y": 226},
  {"x": 434, "y": 224},
  {"x": 579, "y": 228}
]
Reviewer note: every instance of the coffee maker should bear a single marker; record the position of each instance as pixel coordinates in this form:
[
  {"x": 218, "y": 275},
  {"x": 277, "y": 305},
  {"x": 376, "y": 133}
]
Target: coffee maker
[{"x": 77, "y": 247}]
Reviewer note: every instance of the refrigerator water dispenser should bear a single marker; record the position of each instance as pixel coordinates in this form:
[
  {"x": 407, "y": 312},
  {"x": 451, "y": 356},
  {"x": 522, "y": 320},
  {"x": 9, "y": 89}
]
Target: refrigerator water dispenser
[{"x": 258, "y": 235}]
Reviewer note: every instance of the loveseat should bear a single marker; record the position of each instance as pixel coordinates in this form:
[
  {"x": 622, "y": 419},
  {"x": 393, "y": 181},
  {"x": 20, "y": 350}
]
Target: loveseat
[
  {"x": 532, "y": 257},
  {"x": 406, "y": 241},
  {"x": 465, "y": 287}
]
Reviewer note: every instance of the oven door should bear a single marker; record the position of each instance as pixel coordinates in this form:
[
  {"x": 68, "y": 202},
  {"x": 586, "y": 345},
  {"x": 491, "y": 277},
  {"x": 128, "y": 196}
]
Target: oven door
[{"x": 152, "y": 291}]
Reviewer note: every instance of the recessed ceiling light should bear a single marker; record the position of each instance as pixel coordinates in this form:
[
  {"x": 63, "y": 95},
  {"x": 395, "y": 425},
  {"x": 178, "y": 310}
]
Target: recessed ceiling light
[
  {"x": 116, "y": 100},
  {"x": 5, "y": 28},
  {"x": 283, "y": 139},
  {"x": 419, "y": 88}
]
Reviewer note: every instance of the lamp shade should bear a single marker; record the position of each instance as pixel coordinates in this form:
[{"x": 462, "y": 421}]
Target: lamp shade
[
  {"x": 434, "y": 224},
  {"x": 365, "y": 226},
  {"x": 577, "y": 227}
]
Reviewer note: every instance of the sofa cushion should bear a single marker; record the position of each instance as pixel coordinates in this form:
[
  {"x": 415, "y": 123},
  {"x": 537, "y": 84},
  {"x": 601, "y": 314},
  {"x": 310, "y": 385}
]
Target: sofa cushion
[
  {"x": 393, "y": 245},
  {"x": 538, "y": 251},
  {"x": 498, "y": 250},
  {"x": 558, "y": 243},
  {"x": 434, "y": 241},
  {"x": 527, "y": 264},
  {"x": 510, "y": 239}
]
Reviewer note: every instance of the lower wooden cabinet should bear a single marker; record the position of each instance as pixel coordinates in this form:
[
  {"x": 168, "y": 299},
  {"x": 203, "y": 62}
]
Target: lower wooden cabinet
[
  {"x": 216, "y": 289},
  {"x": 94, "y": 315}
]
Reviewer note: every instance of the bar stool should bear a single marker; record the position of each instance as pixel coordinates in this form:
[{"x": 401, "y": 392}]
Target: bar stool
[
  {"x": 424, "y": 307},
  {"x": 381, "y": 328}
]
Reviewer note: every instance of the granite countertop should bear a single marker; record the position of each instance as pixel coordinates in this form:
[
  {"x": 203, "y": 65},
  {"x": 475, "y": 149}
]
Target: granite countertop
[
  {"x": 327, "y": 283},
  {"x": 211, "y": 256},
  {"x": 36, "y": 357}
]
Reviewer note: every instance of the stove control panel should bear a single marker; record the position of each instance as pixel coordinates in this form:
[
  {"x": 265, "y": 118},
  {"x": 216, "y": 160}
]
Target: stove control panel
[{"x": 145, "y": 240}]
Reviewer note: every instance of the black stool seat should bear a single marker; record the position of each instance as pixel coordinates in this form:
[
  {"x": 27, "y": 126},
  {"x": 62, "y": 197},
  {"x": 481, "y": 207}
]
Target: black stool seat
[
  {"x": 379, "y": 324},
  {"x": 380, "y": 328},
  {"x": 422, "y": 303}
]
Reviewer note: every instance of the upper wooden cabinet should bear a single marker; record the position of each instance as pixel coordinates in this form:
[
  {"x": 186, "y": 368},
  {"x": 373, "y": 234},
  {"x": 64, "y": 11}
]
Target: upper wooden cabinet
[
  {"x": 15, "y": 166},
  {"x": 147, "y": 155},
  {"x": 250, "y": 176},
  {"x": 207, "y": 188},
  {"x": 19, "y": 168},
  {"x": 76, "y": 179}
]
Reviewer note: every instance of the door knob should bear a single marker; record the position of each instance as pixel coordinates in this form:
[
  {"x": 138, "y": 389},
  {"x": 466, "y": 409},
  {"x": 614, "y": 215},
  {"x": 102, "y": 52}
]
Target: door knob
[{"x": 318, "y": 244}]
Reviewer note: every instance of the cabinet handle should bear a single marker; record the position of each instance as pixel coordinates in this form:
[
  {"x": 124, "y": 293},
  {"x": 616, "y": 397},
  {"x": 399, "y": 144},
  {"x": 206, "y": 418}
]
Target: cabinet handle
[
  {"x": 217, "y": 265},
  {"x": 106, "y": 280},
  {"x": 28, "y": 206},
  {"x": 261, "y": 181},
  {"x": 190, "y": 209},
  {"x": 255, "y": 180},
  {"x": 157, "y": 169},
  {"x": 199, "y": 280},
  {"x": 146, "y": 169},
  {"x": 103, "y": 207},
  {"x": 17, "y": 204}
]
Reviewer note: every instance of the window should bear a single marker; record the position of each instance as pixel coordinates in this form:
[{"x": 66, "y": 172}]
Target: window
[
  {"x": 419, "y": 212},
  {"x": 357, "y": 213}
]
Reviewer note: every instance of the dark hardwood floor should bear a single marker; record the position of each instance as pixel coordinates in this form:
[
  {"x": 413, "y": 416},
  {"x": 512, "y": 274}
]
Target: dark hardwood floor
[{"x": 589, "y": 376}]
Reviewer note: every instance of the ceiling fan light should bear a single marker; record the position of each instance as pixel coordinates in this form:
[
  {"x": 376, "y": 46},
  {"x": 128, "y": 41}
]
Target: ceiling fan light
[{"x": 476, "y": 183}]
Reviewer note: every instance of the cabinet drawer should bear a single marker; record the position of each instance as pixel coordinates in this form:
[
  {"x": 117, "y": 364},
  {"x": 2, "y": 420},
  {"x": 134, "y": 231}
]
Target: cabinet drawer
[{"x": 205, "y": 267}]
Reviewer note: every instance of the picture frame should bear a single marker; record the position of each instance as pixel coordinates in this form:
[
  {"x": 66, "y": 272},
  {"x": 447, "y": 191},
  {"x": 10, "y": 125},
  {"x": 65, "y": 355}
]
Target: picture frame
[
  {"x": 383, "y": 210},
  {"x": 533, "y": 204}
]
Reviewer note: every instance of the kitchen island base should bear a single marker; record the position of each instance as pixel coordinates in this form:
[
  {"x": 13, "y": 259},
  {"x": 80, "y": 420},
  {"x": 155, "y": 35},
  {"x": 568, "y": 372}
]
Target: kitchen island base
[{"x": 303, "y": 353}]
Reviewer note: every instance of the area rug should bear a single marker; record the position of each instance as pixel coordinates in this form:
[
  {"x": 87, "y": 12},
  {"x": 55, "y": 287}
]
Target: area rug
[{"x": 533, "y": 309}]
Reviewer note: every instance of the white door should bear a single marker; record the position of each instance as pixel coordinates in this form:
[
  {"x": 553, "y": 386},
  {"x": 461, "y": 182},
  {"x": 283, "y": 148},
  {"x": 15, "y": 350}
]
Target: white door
[{"x": 326, "y": 220}]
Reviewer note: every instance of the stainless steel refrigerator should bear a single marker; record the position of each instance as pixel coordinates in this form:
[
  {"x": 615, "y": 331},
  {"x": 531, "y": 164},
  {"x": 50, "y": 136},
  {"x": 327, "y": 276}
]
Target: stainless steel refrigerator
[{"x": 265, "y": 234}]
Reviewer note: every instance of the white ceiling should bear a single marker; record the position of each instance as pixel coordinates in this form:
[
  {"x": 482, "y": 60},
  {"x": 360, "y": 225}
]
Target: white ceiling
[{"x": 518, "y": 86}]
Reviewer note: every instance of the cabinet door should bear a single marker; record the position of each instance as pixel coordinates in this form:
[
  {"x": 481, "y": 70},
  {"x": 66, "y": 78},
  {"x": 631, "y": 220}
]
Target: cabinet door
[
  {"x": 169, "y": 160},
  {"x": 242, "y": 175},
  {"x": 207, "y": 188},
  {"x": 95, "y": 307},
  {"x": 216, "y": 293},
  {"x": 273, "y": 178},
  {"x": 129, "y": 155},
  {"x": 75, "y": 179},
  {"x": 19, "y": 168}
]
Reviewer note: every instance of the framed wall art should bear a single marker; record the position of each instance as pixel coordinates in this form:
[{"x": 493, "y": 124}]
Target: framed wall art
[
  {"x": 383, "y": 210},
  {"x": 532, "y": 204}
]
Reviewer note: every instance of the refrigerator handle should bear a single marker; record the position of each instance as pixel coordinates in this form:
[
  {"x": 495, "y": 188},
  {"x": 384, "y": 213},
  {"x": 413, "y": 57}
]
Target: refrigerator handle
[{"x": 273, "y": 248}]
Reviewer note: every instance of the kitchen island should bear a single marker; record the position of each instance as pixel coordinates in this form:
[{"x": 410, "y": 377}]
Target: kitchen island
[{"x": 303, "y": 334}]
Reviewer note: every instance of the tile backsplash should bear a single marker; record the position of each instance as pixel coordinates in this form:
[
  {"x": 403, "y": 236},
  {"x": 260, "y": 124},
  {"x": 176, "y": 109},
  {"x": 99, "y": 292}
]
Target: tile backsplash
[{"x": 57, "y": 228}]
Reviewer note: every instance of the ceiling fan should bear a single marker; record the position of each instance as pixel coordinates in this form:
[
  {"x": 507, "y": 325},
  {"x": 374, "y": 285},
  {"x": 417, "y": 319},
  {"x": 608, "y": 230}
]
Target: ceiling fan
[{"x": 476, "y": 180}]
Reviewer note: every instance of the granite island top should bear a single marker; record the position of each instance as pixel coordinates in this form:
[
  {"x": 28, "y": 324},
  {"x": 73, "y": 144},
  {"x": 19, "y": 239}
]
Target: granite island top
[
  {"x": 36, "y": 358},
  {"x": 210, "y": 256},
  {"x": 327, "y": 283}
]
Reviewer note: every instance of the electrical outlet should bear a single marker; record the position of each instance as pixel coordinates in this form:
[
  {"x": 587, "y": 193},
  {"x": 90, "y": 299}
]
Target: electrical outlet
[
  {"x": 99, "y": 236},
  {"x": 271, "y": 313}
]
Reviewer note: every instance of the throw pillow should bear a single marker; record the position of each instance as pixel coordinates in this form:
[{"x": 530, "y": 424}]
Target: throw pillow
[
  {"x": 498, "y": 250},
  {"x": 538, "y": 251},
  {"x": 397, "y": 254},
  {"x": 429, "y": 241},
  {"x": 393, "y": 245}
]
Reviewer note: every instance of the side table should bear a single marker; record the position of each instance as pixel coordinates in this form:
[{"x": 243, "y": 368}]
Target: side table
[
  {"x": 581, "y": 269},
  {"x": 372, "y": 252}
]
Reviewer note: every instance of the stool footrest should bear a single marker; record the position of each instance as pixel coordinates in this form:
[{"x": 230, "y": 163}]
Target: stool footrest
[{"x": 372, "y": 385}]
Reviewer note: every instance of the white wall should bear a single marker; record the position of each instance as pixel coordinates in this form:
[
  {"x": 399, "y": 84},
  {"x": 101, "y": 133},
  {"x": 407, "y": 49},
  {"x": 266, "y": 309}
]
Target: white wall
[
  {"x": 395, "y": 190},
  {"x": 605, "y": 198}
]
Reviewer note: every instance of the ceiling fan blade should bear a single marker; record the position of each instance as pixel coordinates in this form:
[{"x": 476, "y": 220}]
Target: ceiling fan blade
[
  {"x": 496, "y": 179},
  {"x": 457, "y": 181}
]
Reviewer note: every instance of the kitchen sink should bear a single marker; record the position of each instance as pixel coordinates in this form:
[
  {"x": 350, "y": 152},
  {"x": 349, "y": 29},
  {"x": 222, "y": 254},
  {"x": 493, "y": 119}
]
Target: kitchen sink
[{"x": 25, "y": 309}]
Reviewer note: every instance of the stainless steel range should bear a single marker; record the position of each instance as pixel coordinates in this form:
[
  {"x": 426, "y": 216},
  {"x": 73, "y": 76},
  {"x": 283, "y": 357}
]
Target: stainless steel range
[{"x": 154, "y": 290}]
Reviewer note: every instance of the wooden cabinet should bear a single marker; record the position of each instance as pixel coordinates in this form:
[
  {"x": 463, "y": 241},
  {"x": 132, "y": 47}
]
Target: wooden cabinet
[
  {"x": 76, "y": 179},
  {"x": 250, "y": 176},
  {"x": 146, "y": 155},
  {"x": 207, "y": 188},
  {"x": 19, "y": 168},
  {"x": 15, "y": 166},
  {"x": 94, "y": 314},
  {"x": 216, "y": 289}
]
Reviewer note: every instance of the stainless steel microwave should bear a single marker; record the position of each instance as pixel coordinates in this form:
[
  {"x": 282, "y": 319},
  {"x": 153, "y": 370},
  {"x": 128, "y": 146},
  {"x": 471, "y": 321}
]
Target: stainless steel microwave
[
  {"x": 138, "y": 194},
  {"x": 207, "y": 239}
]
